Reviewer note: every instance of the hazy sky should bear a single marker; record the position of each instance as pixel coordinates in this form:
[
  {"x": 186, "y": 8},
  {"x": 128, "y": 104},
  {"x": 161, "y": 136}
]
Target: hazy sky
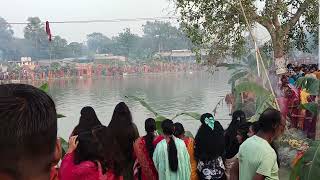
[{"x": 66, "y": 10}]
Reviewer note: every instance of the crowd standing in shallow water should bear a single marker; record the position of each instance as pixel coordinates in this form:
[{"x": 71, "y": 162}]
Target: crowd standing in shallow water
[{"x": 30, "y": 149}]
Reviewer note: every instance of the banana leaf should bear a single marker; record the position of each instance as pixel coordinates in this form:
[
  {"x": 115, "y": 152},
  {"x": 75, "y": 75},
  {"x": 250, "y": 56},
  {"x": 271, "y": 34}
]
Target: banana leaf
[
  {"x": 312, "y": 107},
  {"x": 194, "y": 115},
  {"x": 237, "y": 75},
  {"x": 143, "y": 103},
  {"x": 230, "y": 66},
  {"x": 64, "y": 146},
  {"x": 308, "y": 167},
  {"x": 44, "y": 87},
  {"x": 262, "y": 106},
  {"x": 310, "y": 84},
  {"x": 251, "y": 87},
  {"x": 60, "y": 116}
]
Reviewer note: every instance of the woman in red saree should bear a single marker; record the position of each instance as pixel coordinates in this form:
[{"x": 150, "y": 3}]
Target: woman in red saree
[
  {"x": 144, "y": 148},
  {"x": 179, "y": 133}
]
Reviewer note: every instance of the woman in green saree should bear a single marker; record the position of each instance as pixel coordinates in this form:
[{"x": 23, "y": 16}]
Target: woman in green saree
[{"x": 171, "y": 157}]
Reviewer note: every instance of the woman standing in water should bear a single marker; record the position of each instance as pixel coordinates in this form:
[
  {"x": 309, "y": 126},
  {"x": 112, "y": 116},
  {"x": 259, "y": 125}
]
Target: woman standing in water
[
  {"x": 125, "y": 133},
  {"x": 179, "y": 132},
  {"x": 209, "y": 149},
  {"x": 171, "y": 157},
  {"x": 144, "y": 148}
]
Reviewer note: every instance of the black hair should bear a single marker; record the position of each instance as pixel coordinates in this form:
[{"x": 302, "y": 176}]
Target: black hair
[
  {"x": 178, "y": 129},
  {"x": 87, "y": 149},
  {"x": 28, "y": 127},
  {"x": 88, "y": 120},
  {"x": 123, "y": 129},
  {"x": 232, "y": 145},
  {"x": 209, "y": 144},
  {"x": 269, "y": 120},
  {"x": 110, "y": 150},
  {"x": 150, "y": 127},
  {"x": 255, "y": 127},
  {"x": 244, "y": 129},
  {"x": 168, "y": 129}
]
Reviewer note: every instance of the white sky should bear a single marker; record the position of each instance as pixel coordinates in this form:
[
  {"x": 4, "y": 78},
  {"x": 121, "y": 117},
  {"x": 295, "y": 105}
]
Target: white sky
[{"x": 62, "y": 10}]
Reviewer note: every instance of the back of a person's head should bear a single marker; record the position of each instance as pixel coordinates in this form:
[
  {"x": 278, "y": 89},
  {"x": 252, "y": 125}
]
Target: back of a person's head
[
  {"x": 123, "y": 129},
  {"x": 168, "y": 129},
  {"x": 28, "y": 130},
  {"x": 110, "y": 150},
  {"x": 209, "y": 141},
  {"x": 87, "y": 149},
  {"x": 178, "y": 129},
  {"x": 269, "y": 120},
  {"x": 150, "y": 127},
  {"x": 88, "y": 120},
  {"x": 121, "y": 116},
  {"x": 239, "y": 116}
]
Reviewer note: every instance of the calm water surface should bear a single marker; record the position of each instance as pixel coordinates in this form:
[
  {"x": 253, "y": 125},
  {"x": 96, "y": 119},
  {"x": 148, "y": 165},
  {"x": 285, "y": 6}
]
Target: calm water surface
[{"x": 167, "y": 94}]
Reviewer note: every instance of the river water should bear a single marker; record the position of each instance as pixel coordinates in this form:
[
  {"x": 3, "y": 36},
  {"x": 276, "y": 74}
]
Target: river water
[{"x": 168, "y": 94}]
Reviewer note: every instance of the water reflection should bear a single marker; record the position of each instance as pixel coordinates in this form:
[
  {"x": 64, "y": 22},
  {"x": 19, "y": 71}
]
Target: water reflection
[{"x": 168, "y": 94}]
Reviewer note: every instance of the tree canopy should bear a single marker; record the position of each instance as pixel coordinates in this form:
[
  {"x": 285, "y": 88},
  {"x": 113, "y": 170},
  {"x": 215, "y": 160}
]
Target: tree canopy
[
  {"x": 157, "y": 36},
  {"x": 221, "y": 26}
]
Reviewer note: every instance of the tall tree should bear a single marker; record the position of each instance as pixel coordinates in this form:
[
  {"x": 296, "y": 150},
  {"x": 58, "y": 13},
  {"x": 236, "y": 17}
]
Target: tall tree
[
  {"x": 98, "y": 43},
  {"x": 6, "y": 37},
  {"x": 126, "y": 42},
  {"x": 221, "y": 25},
  {"x": 164, "y": 36},
  {"x": 75, "y": 49},
  {"x": 35, "y": 32},
  {"x": 58, "y": 48}
]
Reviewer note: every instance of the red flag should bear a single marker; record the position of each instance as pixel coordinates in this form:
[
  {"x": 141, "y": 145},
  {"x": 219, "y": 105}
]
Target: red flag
[{"x": 48, "y": 30}]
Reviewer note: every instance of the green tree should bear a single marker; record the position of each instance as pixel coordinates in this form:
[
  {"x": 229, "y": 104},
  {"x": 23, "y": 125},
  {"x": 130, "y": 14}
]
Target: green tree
[
  {"x": 98, "y": 43},
  {"x": 35, "y": 33},
  {"x": 126, "y": 42},
  {"x": 163, "y": 36},
  {"x": 75, "y": 49},
  {"x": 6, "y": 37},
  {"x": 58, "y": 48},
  {"x": 220, "y": 24}
]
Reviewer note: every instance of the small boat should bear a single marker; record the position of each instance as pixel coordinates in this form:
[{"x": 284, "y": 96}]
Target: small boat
[
  {"x": 80, "y": 77},
  {"x": 124, "y": 74},
  {"x": 190, "y": 72}
]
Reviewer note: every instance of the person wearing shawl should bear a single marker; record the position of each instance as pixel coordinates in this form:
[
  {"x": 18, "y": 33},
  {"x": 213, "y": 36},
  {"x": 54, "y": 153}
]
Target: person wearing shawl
[
  {"x": 209, "y": 149},
  {"x": 171, "y": 157}
]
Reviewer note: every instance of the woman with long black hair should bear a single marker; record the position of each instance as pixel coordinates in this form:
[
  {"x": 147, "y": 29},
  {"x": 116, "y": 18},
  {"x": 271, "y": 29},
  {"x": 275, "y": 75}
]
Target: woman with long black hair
[
  {"x": 171, "y": 157},
  {"x": 209, "y": 149},
  {"x": 144, "y": 148},
  {"x": 125, "y": 132},
  {"x": 88, "y": 120}
]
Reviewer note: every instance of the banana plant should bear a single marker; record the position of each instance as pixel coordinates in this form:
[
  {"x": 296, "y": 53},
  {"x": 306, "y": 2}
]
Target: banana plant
[
  {"x": 245, "y": 69},
  {"x": 264, "y": 98},
  {"x": 159, "y": 118},
  {"x": 312, "y": 86},
  {"x": 307, "y": 168}
]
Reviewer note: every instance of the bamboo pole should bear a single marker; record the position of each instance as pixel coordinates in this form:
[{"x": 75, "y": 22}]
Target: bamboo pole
[{"x": 258, "y": 52}]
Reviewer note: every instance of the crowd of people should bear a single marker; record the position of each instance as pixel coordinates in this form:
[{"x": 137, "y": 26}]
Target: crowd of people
[
  {"x": 31, "y": 150},
  {"x": 293, "y": 96},
  {"x": 45, "y": 72}
]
